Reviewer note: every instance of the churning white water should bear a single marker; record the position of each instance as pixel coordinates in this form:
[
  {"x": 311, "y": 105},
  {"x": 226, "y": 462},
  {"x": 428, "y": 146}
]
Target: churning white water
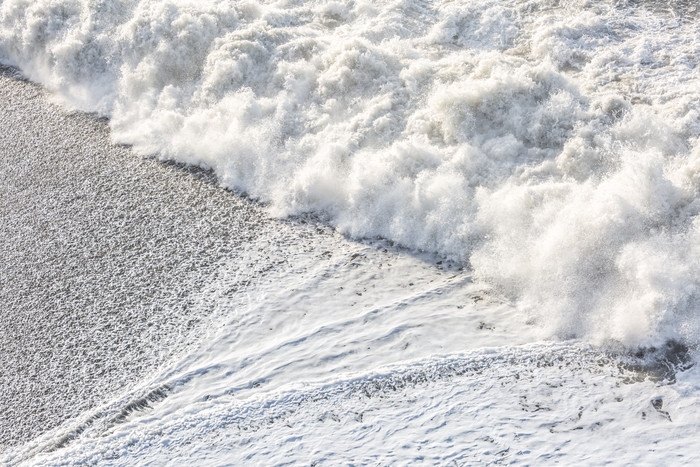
[
  {"x": 552, "y": 144},
  {"x": 551, "y": 148}
]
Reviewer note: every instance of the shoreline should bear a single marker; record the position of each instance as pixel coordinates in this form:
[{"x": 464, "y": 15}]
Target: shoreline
[{"x": 106, "y": 256}]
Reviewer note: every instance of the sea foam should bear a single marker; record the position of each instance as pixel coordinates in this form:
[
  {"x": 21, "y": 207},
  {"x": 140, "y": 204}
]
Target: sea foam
[{"x": 552, "y": 145}]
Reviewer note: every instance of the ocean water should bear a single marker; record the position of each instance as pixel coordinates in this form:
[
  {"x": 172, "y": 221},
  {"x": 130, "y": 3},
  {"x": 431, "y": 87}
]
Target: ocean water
[{"x": 476, "y": 233}]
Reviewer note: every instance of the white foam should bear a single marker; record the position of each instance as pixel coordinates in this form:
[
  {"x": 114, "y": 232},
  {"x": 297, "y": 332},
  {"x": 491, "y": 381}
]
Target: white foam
[
  {"x": 553, "y": 145},
  {"x": 523, "y": 405}
]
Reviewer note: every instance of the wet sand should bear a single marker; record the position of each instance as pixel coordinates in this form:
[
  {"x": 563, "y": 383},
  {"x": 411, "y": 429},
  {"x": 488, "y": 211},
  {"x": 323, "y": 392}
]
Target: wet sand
[{"x": 102, "y": 253}]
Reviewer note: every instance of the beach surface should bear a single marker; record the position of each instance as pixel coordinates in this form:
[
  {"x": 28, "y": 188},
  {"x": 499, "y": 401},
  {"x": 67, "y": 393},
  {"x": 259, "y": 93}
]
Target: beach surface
[{"x": 102, "y": 254}]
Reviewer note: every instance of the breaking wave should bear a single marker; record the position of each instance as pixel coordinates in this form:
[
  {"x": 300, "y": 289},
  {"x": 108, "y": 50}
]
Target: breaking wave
[{"x": 553, "y": 145}]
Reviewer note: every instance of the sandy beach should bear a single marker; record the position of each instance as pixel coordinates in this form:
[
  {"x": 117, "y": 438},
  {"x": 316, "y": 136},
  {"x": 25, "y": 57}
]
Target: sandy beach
[{"x": 101, "y": 252}]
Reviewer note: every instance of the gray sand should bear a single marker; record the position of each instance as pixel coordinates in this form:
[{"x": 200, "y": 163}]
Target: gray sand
[{"x": 101, "y": 253}]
